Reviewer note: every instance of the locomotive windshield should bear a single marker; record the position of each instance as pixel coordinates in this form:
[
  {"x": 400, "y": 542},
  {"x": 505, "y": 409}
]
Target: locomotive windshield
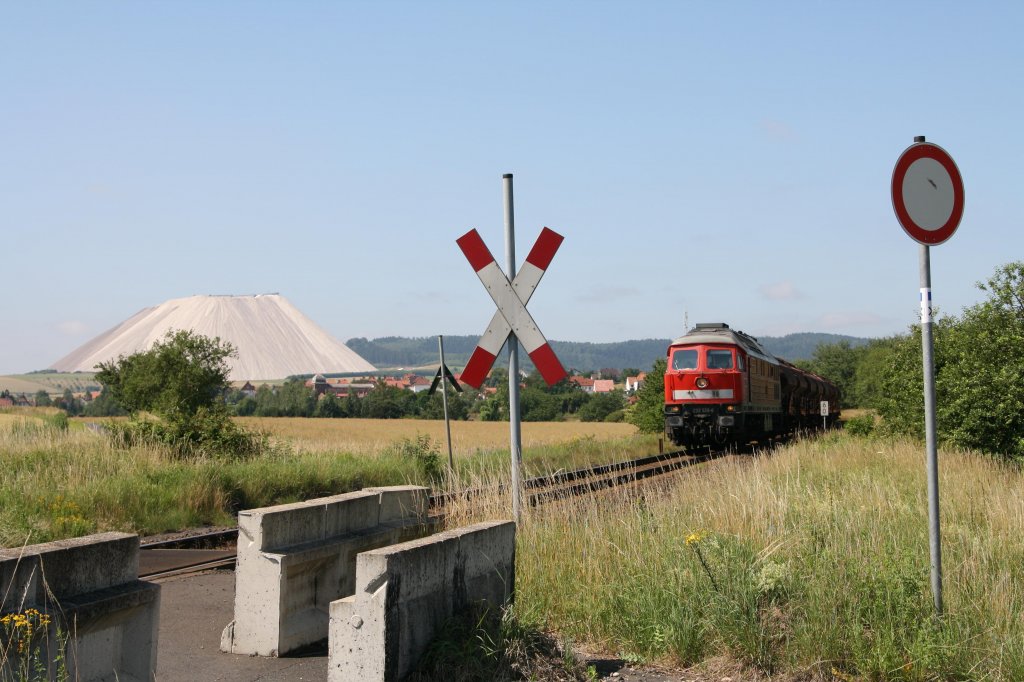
[
  {"x": 685, "y": 358},
  {"x": 719, "y": 359}
]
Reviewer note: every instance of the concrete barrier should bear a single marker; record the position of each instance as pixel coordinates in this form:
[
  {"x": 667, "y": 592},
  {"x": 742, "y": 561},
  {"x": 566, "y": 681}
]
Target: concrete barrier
[
  {"x": 405, "y": 592},
  {"x": 103, "y": 619},
  {"x": 295, "y": 559}
]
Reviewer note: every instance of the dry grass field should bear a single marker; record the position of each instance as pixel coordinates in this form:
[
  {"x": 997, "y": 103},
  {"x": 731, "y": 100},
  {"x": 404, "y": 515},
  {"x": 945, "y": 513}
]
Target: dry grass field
[{"x": 369, "y": 436}]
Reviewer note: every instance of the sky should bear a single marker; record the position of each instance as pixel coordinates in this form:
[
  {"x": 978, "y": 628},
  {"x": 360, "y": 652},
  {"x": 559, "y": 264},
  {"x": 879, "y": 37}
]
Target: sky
[{"x": 705, "y": 161}]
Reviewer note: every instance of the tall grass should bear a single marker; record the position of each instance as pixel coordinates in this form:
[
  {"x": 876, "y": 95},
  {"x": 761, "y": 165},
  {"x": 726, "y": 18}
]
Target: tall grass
[
  {"x": 811, "y": 561},
  {"x": 63, "y": 482}
]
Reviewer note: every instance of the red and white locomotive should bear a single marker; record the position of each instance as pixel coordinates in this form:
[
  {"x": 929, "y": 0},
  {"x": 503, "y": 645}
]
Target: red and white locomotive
[{"x": 722, "y": 386}]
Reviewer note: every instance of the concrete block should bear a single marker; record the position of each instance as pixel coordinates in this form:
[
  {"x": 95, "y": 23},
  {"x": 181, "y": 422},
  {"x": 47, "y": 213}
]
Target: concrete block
[
  {"x": 405, "y": 592},
  {"x": 294, "y": 559},
  {"x": 89, "y": 586}
]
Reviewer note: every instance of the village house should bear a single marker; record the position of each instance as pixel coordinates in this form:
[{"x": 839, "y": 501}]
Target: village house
[
  {"x": 409, "y": 382},
  {"x": 633, "y": 384},
  {"x": 593, "y": 385}
]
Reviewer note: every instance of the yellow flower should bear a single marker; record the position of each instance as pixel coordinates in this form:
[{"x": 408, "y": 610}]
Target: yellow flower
[{"x": 693, "y": 538}]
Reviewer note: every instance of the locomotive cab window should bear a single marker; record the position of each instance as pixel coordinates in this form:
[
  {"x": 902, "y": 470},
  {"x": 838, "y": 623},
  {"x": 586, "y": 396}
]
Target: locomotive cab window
[
  {"x": 684, "y": 359},
  {"x": 719, "y": 359}
]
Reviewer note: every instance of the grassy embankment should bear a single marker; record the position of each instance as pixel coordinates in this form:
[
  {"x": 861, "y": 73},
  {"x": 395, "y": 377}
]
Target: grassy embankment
[
  {"x": 813, "y": 561},
  {"x": 61, "y": 483}
]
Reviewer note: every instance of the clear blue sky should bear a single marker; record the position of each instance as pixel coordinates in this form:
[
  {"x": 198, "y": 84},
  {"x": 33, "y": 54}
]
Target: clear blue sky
[{"x": 729, "y": 161}]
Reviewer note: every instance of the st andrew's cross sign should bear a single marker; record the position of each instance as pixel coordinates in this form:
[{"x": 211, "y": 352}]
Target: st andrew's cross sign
[{"x": 511, "y": 299}]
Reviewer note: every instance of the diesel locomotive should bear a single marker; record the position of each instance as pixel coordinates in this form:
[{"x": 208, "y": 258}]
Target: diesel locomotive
[{"x": 722, "y": 387}]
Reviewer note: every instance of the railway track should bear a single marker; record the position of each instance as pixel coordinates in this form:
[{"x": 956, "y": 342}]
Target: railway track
[{"x": 216, "y": 548}]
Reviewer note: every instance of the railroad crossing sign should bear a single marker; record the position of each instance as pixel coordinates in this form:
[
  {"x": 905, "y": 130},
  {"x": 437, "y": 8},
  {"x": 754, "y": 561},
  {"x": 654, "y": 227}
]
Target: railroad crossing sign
[
  {"x": 927, "y": 193},
  {"x": 511, "y": 299},
  {"x": 448, "y": 375}
]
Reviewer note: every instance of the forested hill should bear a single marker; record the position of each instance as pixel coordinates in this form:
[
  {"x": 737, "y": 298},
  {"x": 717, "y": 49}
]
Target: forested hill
[{"x": 398, "y": 351}]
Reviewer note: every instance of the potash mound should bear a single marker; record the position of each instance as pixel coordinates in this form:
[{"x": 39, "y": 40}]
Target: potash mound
[{"x": 273, "y": 339}]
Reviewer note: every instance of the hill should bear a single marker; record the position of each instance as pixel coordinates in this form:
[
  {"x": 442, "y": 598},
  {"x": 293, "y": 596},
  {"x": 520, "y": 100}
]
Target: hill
[
  {"x": 398, "y": 351},
  {"x": 273, "y": 338},
  {"x": 51, "y": 382},
  {"x": 801, "y": 346}
]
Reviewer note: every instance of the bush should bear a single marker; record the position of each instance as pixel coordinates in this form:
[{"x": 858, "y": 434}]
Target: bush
[
  {"x": 861, "y": 425},
  {"x": 207, "y": 434},
  {"x": 600, "y": 405},
  {"x": 647, "y": 414},
  {"x": 979, "y": 379},
  {"x": 58, "y": 421},
  {"x": 425, "y": 453}
]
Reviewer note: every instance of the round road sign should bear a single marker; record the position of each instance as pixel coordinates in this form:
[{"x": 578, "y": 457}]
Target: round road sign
[{"x": 927, "y": 193}]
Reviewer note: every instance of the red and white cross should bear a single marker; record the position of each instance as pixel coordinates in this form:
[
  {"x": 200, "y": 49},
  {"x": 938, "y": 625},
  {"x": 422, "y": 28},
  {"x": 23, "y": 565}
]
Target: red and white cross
[{"x": 511, "y": 299}]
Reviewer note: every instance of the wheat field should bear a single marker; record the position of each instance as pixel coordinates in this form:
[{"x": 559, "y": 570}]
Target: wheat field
[{"x": 367, "y": 436}]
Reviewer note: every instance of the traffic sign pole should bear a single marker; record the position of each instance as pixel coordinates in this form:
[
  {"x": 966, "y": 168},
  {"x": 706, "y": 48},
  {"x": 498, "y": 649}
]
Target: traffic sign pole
[
  {"x": 515, "y": 435},
  {"x": 928, "y": 359},
  {"x": 444, "y": 401},
  {"x": 928, "y": 198}
]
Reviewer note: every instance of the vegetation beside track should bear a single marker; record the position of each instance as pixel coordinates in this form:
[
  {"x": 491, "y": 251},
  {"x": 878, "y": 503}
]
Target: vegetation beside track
[
  {"x": 812, "y": 562},
  {"x": 62, "y": 480}
]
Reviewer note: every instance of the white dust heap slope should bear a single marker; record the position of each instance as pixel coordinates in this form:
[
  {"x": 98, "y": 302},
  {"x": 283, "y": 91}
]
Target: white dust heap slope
[{"x": 273, "y": 339}]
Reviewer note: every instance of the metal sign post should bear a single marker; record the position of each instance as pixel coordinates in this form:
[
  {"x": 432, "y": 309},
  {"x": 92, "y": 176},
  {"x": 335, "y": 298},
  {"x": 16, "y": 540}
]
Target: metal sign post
[
  {"x": 515, "y": 434},
  {"x": 931, "y": 449},
  {"x": 928, "y": 198},
  {"x": 444, "y": 401},
  {"x": 824, "y": 414},
  {"x": 512, "y": 323}
]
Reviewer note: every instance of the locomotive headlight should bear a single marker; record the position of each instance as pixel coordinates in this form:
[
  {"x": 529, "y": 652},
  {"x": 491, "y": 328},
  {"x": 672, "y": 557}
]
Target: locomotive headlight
[
  {"x": 702, "y": 382},
  {"x": 730, "y": 408}
]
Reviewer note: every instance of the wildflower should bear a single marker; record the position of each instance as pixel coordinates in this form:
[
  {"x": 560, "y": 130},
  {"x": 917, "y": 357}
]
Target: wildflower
[{"x": 693, "y": 538}]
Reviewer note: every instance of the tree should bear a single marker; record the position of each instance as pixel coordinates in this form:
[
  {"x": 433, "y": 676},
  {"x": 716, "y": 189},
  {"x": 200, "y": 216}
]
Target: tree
[
  {"x": 491, "y": 410},
  {"x": 69, "y": 403},
  {"x": 979, "y": 376},
  {"x": 838, "y": 362},
  {"x": 43, "y": 399},
  {"x": 871, "y": 371},
  {"x": 103, "y": 406},
  {"x": 538, "y": 405},
  {"x": 648, "y": 413},
  {"x": 181, "y": 380},
  {"x": 980, "y": 392},
  {"x": 600, "y": 405},
  {"x": 328, "y": 406},
  {"x": 388, "y": 402},
  {"x": 174, "y": 379},
  {"x": 432, "y": 406}
]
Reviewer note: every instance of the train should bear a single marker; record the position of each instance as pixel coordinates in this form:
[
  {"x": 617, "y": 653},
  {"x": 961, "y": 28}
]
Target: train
[{"x": 722, "y": 387}]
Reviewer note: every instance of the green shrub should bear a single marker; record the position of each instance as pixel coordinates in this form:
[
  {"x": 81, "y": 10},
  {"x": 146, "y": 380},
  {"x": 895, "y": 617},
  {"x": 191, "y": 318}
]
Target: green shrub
[
  {"x": 58, "y": 421},
  {"x": 424, "y": 452},
  {"x": 209, "y": 433},
  {"x": 861, "y": 425}
]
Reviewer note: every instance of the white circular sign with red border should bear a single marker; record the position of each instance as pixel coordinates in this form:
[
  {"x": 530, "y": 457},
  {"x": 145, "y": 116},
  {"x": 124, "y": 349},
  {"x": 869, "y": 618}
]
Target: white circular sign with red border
[{"x": 927, "y": 193}]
